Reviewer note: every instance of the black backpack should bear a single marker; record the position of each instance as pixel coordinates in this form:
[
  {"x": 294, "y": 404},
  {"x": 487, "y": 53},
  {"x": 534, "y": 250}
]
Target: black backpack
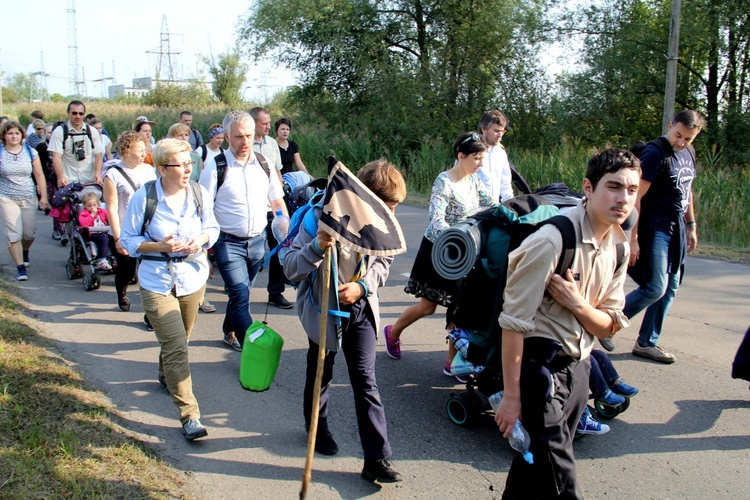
[
  {"x": 151, "y": 202},
  {"x": 666, "y": 152},
  {"x": 204, "y": 152}
]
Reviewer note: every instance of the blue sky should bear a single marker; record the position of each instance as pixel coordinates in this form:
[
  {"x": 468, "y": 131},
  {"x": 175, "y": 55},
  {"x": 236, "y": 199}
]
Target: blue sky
[{"x": 122, "y": 32}]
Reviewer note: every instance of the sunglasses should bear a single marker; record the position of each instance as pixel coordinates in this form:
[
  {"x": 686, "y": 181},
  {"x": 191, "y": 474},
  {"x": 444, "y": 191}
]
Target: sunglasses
[{"x": 77, "y": 113}]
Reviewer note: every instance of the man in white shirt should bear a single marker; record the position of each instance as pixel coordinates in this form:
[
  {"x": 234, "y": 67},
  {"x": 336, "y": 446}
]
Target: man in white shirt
[
  {"x": 495, "y": 171},
  {"x": 240, "y": 207},
  {"x": 268, "y": 147},
  {"x": 76, "y": 157}
]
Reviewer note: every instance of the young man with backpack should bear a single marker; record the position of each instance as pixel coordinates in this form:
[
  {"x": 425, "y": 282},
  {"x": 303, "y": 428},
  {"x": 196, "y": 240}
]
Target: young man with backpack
[
  {"x": 195, "y": 139},
  {"x": 76, "y": 151},
  {"x": 242, "y": 186},
  {"x": 549, "y": 323},
  {"x": 666, "y": 230}
]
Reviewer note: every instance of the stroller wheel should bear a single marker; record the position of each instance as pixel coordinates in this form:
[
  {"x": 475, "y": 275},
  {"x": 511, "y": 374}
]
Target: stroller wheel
[
  {"x": 70, "y": 271},
  {"x": 460, "y": 411},
  {"x": 88, "y": 283},
  {"x": 96, "y": 282},
  {"x": 625, "y": 405},
  {"x": 607, "y": 411}
]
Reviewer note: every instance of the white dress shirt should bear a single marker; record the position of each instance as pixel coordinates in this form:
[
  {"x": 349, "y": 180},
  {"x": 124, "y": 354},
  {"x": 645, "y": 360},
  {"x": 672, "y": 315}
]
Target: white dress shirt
[{"x": 495, "y": 173}]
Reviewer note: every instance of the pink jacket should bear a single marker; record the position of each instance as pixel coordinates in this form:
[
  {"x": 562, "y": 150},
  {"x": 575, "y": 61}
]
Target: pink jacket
[{"x": 85, "y": 219}]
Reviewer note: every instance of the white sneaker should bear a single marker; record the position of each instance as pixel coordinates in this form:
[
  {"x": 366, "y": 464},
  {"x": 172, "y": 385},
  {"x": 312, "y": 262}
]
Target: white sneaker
[{"x": 104, "y": 265}]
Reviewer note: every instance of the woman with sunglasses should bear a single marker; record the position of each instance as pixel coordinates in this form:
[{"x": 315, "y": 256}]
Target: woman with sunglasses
[
  {"x": 456, "y": 194},
  {"x": 173, "y": 267}
]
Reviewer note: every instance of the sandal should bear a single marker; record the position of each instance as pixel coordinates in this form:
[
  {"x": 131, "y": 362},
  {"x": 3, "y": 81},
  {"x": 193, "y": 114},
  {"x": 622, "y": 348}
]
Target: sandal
[{"x": 208, "y": 307}]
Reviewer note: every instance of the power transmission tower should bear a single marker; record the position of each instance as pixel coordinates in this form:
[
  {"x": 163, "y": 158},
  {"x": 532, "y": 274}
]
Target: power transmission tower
[
  {"x": 164, "y": 52},
  {"x": 103, "y": 83},
  {"x": 82, "y": 84},
  {"x": 75, "y": 81},
  {"x": 39, "y": 84}
]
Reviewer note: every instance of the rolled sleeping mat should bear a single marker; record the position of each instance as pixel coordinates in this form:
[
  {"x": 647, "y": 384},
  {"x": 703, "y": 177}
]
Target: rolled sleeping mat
[{"x": 456, "y": 249}]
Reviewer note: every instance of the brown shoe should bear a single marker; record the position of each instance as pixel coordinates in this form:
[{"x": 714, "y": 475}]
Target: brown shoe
[{"x": 655, "y": 353}]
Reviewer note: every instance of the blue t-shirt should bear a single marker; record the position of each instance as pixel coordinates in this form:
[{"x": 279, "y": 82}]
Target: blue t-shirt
[{"x": 668, "y": 196}]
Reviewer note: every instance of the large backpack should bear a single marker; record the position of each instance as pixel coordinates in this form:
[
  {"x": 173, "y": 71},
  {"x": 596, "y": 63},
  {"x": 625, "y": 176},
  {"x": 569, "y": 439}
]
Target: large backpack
[
  {"x": 666, "y": 152},
  {"x": 298, "y": 188},
  {"x": 479, "y": 300}
]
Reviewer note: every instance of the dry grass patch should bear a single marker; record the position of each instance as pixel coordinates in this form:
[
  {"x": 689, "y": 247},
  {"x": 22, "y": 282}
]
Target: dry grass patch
[{"x": 58, "y": 438}]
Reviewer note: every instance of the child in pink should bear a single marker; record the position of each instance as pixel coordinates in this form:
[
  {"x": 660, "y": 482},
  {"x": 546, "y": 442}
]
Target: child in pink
[{"x": 93, "y": 215}]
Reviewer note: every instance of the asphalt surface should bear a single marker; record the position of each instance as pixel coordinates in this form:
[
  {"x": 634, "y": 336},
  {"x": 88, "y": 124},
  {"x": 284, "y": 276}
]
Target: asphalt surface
[{"x": 686, "y": 435}]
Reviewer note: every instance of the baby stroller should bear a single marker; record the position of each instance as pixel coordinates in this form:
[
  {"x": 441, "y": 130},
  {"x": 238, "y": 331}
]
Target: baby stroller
[
  {"x": 468, "y": 407},
  {"x": 82, "y": 250}
]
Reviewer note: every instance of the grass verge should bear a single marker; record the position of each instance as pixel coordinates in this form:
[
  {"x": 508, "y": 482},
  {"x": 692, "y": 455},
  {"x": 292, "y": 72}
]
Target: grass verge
[{"x": 58, "y": 438}]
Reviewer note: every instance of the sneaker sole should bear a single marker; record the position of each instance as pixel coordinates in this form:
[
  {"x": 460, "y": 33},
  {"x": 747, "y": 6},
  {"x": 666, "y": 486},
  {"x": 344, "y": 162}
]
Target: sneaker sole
[
  {"x": 373, "y": 477},
  {"x": 22, "y": 278},
  {"x": 193, "y": 437},
  {"x": 590, "y": 433},
  {"x": 665, "y": 361},
  {"x": 281, "y": 306}
]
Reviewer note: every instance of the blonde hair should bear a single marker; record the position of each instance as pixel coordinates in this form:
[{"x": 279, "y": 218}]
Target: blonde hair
[
  {"x": 178, "y": 128},
  {"x": 90, "y": 196},
  {"x": 166, "y": 149}
]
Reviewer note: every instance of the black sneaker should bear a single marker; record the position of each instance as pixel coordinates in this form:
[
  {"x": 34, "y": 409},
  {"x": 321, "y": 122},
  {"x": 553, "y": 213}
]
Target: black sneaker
[
  {"x": 381, "y": 470},
  {"x": 279, "y": 301},
  {"x": 147, "y": 324}
]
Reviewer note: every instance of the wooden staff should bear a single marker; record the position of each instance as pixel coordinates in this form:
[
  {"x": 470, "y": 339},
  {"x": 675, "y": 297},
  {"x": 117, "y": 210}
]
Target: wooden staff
[{"x": 307, "y": 474}]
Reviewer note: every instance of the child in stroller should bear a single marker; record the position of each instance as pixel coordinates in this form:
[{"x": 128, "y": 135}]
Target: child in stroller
[
  {"x": 89, "y": 249},
  {"x": 94, "y": 217}
]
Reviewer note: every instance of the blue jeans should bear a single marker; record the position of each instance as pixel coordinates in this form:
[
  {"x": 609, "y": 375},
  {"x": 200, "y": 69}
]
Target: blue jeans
[
  {"x": 603, "y": 373},
  {"x": 657, "y": 296},
  {"x": 238, "y": 262}
]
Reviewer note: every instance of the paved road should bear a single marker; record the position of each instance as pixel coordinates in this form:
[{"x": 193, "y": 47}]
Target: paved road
[{"x": 685, "y": 436}]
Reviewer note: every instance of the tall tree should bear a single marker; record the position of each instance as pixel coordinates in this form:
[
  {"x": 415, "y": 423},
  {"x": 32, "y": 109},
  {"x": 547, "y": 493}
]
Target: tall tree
[
  {"x": 405, "y": 68},
  {"x": 228, "y": 73}
]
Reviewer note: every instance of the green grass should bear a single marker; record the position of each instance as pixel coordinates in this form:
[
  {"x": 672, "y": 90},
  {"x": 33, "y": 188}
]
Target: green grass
[{"x": 59, "y": 439}]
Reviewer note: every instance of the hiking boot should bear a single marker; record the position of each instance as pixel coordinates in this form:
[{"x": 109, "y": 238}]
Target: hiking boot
[
  {"x": 147, "y": 324},
  {"x": 26, "y": 258},
  {"x": 623, "y": 389},
  {"x": 278, "y": 300},
  {"x": 21, "y": 274},
  {"x": 608, "y": 344},
  {"x": 587, "y": 425},
  {"x": 231, "y": 340},
  {"x": 392, "y": 346},
  {"x": 656, "y": 353},
  {"x": 609, "y": 398},
  {"x": 380, "y": 469},
  {"x": 193, "y": 429}
]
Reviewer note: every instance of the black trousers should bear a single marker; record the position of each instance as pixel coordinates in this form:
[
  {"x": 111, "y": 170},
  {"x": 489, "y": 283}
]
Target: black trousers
[
  {"x": 551, "y": 422},
  {"x": 276, "y": 278},
  {"x": 358, "y": 344}
]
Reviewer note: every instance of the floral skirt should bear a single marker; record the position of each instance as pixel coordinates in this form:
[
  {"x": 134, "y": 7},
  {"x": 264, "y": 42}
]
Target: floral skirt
[{"x": 425, "y": 282}]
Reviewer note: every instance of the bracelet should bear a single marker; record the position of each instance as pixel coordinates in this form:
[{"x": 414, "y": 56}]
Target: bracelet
[{"x": 691, "y": 223}]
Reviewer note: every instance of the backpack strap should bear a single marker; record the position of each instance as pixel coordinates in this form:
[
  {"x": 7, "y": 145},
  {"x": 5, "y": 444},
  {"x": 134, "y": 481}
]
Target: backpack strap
[
  {"x": 125, "y": 176},
  {"x": 221, "y": 170},
  {"x": 568, "y": 232},
  {"x": 150, "y": 210},
  {"x": 66, "y": 133},
  {"x": 264, "y": 164},
  {"x": 204, "y": 153}
]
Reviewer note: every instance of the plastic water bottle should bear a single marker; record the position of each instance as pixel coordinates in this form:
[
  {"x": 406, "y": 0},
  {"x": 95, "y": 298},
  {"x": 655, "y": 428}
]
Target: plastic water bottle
[
  {"x": 519, "y": 439},
  {"x": 280, "y": 229}
]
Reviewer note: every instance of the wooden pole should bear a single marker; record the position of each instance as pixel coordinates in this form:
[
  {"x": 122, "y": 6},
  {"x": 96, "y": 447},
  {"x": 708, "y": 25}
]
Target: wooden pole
[
  {"x": 307, "y": 474},
  {"x": 670, "y": 89}
]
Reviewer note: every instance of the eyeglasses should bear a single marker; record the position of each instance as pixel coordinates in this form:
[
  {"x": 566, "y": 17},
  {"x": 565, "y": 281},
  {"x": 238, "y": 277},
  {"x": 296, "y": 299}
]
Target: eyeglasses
[
  {"x": 185, "y": 166},
  {"x": 41, "y": 128},
  {"x": 77, "y": 113}
]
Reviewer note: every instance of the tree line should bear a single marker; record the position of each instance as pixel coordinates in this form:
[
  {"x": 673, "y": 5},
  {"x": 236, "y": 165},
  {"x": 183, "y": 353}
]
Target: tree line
[{"x": 403, "y": 72}]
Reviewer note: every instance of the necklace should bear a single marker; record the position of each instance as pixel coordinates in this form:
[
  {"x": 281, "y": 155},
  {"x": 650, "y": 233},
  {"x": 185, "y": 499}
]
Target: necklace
[{"x": 15, "y": 155}]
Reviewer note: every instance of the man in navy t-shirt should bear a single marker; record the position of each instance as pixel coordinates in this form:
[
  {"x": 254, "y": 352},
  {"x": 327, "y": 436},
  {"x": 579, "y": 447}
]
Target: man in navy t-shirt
[{"x": 666, "y": 230}]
